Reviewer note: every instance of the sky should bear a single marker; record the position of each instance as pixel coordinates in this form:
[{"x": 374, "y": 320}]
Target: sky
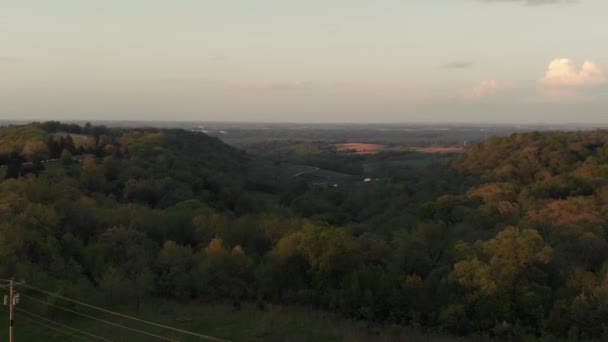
[{"x": 489, "y": 61}]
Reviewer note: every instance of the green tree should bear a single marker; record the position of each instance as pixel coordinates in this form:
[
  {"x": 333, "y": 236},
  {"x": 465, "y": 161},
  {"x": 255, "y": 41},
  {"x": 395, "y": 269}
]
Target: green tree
[
  {"x": 498, "y": 261},
  {"x": 66, "y": 157}
]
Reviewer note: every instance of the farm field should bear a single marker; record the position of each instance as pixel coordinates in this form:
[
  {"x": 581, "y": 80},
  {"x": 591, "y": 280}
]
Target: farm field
[
  {"x": 360, "y": 148},
  {"x": 363, "y": 148}
]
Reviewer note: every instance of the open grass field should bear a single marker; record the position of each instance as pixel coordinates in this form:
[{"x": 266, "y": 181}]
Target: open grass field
[{"x": 247, "y": 324}]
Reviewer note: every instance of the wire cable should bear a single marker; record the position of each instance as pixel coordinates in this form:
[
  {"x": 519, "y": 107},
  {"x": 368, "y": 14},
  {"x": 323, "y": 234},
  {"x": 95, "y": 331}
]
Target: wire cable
[
  {"x": 48, "y": 326},
  {"x": 54, "y": 328},
  {"x": 186, "y": 332},
  {"x": 62, "y": 325},
  {"x": 100, "y": 319}
]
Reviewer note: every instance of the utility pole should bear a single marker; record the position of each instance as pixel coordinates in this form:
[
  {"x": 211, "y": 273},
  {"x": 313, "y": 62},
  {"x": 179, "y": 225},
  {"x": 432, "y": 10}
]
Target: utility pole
[
  {"x": 11, "y": 300},
  {"x": 10, "y": 309}
]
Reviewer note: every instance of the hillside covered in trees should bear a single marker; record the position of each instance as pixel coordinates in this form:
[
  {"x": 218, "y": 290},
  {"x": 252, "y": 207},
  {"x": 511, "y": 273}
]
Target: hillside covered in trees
[{"x": 507, "y": 240}]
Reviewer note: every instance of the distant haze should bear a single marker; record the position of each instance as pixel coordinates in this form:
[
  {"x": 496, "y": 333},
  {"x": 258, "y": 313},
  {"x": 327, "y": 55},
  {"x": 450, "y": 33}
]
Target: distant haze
[{"x": 491, "y": 61}]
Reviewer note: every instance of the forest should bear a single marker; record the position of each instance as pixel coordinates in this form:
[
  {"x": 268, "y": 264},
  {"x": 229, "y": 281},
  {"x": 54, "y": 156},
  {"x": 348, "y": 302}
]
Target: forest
[{"x": 507, "y": 240}]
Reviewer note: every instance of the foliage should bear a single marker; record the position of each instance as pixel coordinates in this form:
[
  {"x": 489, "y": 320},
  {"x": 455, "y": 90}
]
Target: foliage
[{"x": 508, "y": 241}]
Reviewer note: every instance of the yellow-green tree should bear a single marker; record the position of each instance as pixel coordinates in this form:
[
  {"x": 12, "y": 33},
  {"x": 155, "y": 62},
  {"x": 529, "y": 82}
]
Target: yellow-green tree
[
  {"x": 35, "y": 150},
  {"x": 92, "y": 176},
  {"x": 498, "y": 261}
]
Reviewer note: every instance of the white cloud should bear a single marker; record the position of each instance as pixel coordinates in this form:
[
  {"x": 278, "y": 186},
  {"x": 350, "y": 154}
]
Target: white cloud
[
  {"x": 564, "y": 79},
  {"x": 483, "y": 89}
]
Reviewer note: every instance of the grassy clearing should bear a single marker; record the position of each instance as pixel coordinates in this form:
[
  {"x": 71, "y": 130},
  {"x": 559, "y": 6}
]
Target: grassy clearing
[
  {"x": 247, "y": 324},
  {"x": 78, "y": 139}
]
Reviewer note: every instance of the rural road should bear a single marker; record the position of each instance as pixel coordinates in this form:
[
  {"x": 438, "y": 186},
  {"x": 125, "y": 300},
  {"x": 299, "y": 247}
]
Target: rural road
[{"x": 308, "y": 171}]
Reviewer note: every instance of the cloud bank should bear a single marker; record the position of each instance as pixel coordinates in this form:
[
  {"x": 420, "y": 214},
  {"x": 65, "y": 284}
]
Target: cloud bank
[
  {"x": 564, "y": 79},
  {"x": 483, "y": 89}
]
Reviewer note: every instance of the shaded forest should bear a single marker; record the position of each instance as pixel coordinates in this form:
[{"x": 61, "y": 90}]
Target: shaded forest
[{"x": 508, "y": 240}]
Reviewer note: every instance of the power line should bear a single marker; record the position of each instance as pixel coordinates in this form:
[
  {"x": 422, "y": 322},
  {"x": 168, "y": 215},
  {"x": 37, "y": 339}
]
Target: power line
[
  {"x": 62, "y": 325},
  {"x": 101, "y": 320},
  {"x": 202, "y": 336},
  {"x": 54, "y": 328},
  {"x": 51, "y": 327},
  {"x": 207, "y": 337}
]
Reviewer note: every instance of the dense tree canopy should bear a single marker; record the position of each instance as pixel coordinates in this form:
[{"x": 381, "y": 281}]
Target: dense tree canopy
[{"x": 509, "y": 239}]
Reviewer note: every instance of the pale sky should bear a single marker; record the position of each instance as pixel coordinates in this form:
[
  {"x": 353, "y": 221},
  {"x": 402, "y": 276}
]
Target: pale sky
[{"x": 535, "y": 61}]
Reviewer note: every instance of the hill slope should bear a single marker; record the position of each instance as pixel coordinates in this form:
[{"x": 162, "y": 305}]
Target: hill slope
[{"x": 136, "y": 216}]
